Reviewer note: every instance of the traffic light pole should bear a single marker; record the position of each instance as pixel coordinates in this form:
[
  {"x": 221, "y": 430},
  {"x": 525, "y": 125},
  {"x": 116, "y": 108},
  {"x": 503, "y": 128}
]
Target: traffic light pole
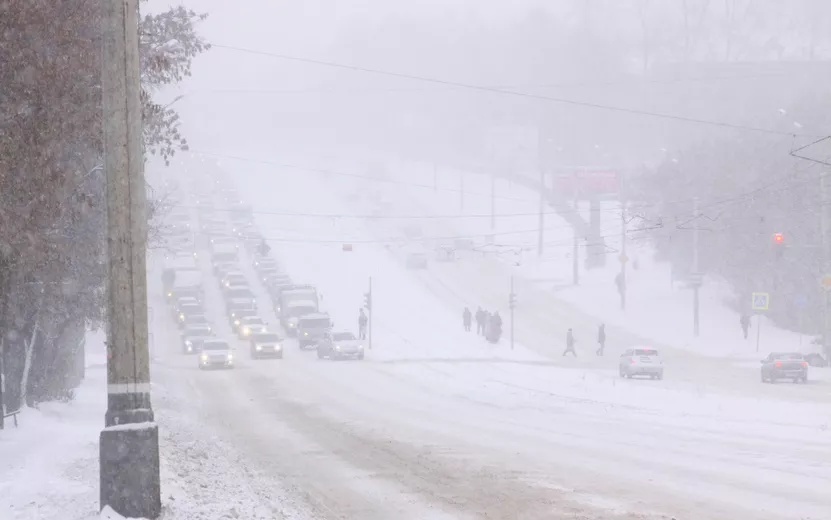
[
  {"x": 129, "y": 442},
  {"x": 695, "y": 267},
  {"x": 369, "y": 308},
  {"x": 512, "y": 304},
  {"x": 825, "y": 181}
]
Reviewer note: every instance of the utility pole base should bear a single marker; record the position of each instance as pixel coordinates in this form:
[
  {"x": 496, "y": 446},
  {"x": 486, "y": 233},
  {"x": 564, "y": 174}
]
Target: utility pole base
[{"x": 130, "y": 482}]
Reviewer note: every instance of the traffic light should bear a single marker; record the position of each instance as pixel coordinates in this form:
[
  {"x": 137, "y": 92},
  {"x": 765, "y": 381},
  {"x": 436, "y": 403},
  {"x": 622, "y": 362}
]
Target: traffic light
[
  {"x": 779, "y": 244},
  {"x": 368, "y": 301}
]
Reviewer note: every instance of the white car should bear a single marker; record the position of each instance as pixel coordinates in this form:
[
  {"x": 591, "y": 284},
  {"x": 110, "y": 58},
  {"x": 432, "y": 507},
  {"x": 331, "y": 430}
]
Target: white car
[
  {"x": 641, "y": 361},
  {"x": 340, "y": 345},
  {"x": 266, "y": 344},
  {"x": 216, "y": 353},
  {"x": 250, "y": 325}
]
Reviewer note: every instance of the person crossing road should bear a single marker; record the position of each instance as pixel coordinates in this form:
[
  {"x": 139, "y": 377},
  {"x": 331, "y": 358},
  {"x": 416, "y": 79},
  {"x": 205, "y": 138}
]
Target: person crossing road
[
  {"x": 466, "y": 319},
  {"x": 570, "y": 343},
  {"x": 362, "y": 321}
]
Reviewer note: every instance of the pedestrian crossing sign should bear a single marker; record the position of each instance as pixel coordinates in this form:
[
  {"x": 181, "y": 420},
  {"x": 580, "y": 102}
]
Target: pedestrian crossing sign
[{"x": 760, "y": 301}]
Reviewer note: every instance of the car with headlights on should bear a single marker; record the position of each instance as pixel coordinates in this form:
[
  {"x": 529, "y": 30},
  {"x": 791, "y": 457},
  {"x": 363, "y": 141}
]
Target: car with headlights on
[
  {"x": 188, "y": 310},
  {"x": 340, "y": 345},
  {"x": 249, "y": 325},
  {"x": 266, "y": 344},
  {"x": 197, "y": 319},
  {"x": 313, "y": 327},
  {"x": 641, "y": 361},
  {"x": 237, "y": 312},
  {"x": 194, "y": 336},
  {"x": 216, "y": 353}
]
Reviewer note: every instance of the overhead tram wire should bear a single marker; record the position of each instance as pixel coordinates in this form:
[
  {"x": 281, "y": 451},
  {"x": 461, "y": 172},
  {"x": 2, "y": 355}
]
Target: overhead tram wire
[
  {"x": 727, "y": 201},
  {"x": 494, "y": 90}
]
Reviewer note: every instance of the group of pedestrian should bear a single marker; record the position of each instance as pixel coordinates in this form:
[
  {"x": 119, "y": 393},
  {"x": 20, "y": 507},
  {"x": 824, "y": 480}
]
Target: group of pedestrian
[
  {"x": 601, "y": 341},
  {"x": 488, "y": 324}
]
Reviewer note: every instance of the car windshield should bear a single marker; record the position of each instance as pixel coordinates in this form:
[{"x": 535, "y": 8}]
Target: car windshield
[
  {"x": 265, "y": 338},
  {"x": 314, "y": 323},
  {"x": 190, "y": 309},
  {"x": 215, "y": 345},
  {"x": 343, "y": 336},
  {"x": 253, "y": 320},
  {"x": 300, "y": 311},
  {"x": 646, "y": 352},
  {"x": 787, "y": 355}
]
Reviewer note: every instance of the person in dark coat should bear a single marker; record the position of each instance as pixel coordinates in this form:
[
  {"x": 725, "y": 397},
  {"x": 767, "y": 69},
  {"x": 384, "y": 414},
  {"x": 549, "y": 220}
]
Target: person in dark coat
[
  {"x": 480, "y": 321},
  {"x": 570, "y": 343},
  {"x": 466, "y": 319},
  {"x": 745, "y": 323},
  {"x": 601, "y": 339}
]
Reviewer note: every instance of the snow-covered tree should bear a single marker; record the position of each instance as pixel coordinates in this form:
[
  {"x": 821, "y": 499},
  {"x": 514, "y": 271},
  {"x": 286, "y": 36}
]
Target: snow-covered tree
[{"x": 52, "y": 203}]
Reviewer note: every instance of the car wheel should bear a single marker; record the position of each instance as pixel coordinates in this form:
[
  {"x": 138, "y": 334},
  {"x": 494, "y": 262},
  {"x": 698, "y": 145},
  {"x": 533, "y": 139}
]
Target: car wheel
[
  {"x": 319, "y": 354},
  {"x": 804, "y": 379},
  {"x": 620, "y": 371},
  {"x": 764, "y": 379},
  {"x": 280, "y": 355},
  {"x": 360, "y": 356},
  {"x": 660, "y": 376}
]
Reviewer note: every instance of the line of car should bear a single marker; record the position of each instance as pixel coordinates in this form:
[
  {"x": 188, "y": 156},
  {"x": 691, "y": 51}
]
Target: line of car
[{"x": 296, "y": 306}]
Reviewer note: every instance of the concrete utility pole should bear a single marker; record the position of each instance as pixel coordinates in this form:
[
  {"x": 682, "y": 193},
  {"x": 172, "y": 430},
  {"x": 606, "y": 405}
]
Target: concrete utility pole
[
  {"x": 512, "y": 305},
  {"x": 575, "y": 266},
  {"x": 695, "y": 268},
  {"x": 541, "y": 239},
  {"x": 623, "y": 258},
  {"x": 369, "y": 308},
  {"x": 825, "y": 181},
  {"x": 129, "y": 443}
]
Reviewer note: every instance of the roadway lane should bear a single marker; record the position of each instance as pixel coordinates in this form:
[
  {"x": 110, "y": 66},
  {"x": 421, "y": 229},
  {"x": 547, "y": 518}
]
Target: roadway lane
[{"x": 386, "y": 438}]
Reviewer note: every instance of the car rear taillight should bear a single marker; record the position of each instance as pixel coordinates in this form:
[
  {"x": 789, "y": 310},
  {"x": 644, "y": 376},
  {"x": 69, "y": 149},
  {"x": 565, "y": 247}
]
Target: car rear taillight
[
  {"x": 632, "y": 361},
  {"x": 778, "y": 363},
  {"x": 804, "y": 364}
]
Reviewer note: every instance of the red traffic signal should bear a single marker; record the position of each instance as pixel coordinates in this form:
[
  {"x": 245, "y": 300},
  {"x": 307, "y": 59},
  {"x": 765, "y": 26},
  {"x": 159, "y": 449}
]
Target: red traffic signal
[{"x": 778, "y": 238}]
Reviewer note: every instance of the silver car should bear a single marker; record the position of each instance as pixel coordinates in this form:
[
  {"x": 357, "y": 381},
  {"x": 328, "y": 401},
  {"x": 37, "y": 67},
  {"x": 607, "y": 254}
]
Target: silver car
[
  {"x": 216, "y": 354},
  {"x": 641, "y": 361},
  {"x": 340, "y": 345},
  {"x": 266, "y": 344}
]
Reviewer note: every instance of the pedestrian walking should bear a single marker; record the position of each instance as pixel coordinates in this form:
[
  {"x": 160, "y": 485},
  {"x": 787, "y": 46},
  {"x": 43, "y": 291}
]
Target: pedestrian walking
[
  {"x": 570, "y": 343},
  {"x": 362, "y": 321},
  {"x": 601, "y": 339},
  {"x": 466, "y": 319},
  {"x": 480, "y": 321},
  {"x": 745, "y": 323}
]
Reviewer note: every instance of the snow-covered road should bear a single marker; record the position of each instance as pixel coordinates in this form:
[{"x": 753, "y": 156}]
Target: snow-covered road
[{"x": 438, "y": 424}]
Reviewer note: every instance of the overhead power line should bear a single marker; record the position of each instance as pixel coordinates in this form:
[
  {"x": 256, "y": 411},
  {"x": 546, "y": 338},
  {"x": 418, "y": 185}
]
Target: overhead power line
[{"x": 494, "y": 90}]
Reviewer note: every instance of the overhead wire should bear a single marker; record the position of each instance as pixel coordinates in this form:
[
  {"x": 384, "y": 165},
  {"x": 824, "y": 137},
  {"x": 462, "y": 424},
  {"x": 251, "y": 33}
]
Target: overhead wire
[{"x": 493, "y": 90}]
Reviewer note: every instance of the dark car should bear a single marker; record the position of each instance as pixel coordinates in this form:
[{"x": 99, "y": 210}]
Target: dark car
[
  {"x": 816, "y": 360},
  {"x": 784, "y": 365},
  {"x": 194, "y": 336},
  {"x": 188, "y": 310}
]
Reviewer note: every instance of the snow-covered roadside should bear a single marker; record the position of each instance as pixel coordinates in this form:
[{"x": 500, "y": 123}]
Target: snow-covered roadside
[
  {"x": 49, "y": 465},
  {"x": 656, "y": 310}
]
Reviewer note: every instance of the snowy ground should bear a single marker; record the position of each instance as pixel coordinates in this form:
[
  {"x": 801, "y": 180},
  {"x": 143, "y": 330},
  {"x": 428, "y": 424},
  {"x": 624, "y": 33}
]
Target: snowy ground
[{"x": 435, "y": 423}]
